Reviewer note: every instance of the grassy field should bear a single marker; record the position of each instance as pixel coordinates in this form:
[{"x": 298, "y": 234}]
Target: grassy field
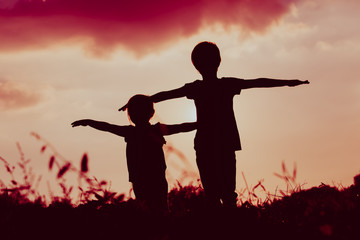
[
  {"x": 318, "y": 213},
  {"x": 322, "y": 212}
]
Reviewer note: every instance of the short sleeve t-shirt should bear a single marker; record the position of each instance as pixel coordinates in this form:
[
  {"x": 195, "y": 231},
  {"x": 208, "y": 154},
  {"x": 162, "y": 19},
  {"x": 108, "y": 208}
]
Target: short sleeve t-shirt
[
  {"x": 215, "y": 115},
  {"x": 144, "y": 152}
]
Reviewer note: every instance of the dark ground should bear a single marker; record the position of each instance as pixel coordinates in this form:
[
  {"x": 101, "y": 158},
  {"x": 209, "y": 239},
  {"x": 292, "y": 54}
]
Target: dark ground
[{"x": 322, "y": 212}]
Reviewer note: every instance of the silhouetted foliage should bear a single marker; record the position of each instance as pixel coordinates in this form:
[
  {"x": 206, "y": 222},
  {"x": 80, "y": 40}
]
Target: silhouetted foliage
[{"x": 322, "y": 212}]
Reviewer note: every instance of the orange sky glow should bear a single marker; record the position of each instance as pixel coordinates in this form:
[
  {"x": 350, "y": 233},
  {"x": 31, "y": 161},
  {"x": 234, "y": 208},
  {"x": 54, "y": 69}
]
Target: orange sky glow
[{"x": 63, "y": 60}]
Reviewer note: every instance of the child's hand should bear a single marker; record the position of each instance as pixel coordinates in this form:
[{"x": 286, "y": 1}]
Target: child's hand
[
  {"x": 83, "y": 122},
  {"x": 293, "y": 83}
]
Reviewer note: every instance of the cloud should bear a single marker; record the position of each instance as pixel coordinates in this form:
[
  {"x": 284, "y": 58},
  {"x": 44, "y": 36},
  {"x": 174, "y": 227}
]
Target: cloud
[
  {"x": 141, "y": 26},
  {"x": 8, "y": 3},
  {"x": 16, "y": 96}
]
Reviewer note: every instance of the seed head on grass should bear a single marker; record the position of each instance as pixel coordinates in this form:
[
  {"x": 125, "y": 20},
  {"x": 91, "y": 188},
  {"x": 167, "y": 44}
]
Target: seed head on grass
[
  {"x": 63, "y": 170},
  {"x": 51, "y": 162},
  {"x": 43, "y": 148},
  {"x": 290, "y": 180},
  {"x": 84, "y": 163}
]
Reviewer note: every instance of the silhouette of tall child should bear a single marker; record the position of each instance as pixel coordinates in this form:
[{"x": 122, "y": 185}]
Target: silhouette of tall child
[
  {"x": 217, "y": 136},
  {"x": 144, "y": 150}
]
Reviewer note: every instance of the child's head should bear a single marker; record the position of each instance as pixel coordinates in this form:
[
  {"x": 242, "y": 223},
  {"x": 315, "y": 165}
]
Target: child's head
[
  {"x": 206, "y": 57},
  {"x": 140, "y": 109}
]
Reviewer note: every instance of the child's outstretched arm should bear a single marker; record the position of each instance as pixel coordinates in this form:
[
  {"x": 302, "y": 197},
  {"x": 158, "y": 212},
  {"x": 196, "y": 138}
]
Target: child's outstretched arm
[
  {"x": 162, "y": 96},
  {"x": 165, "y": 95},
  {"x": 102, "y": 126},
  {"x": 177, "y": 128},
  {"x": 269, "y": 82}
]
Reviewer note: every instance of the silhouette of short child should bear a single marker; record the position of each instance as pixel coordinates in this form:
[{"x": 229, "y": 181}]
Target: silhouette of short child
[
  {"x": 217, "y": 136},
  {"x": 144, "y": 152}
]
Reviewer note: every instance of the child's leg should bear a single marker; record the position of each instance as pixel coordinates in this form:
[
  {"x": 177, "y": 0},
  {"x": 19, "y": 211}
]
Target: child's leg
[
  {"x": 209, "y": 174},
  {"x": 158, "y": 195},
  {"x": 152, "y": 190},
  {"x": 228, "y": 167},
  {"x": 139, "y": 191}
]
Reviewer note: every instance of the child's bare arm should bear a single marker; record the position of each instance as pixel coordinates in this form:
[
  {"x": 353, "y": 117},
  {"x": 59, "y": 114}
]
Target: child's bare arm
[
  {"x": 269, "y": 82},
  {"x": 177, "y": 128},
  {"x": 102, "y": 126},
  {"x": 165, "y": 95},
  {"x": 162, "y": 96}
]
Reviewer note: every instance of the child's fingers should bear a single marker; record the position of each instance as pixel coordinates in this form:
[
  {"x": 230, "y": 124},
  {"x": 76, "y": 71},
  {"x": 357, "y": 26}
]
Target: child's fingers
[
  {"x": 75, "y": 124},
  {"x": 294, "y": 83},
  {"x": 123, "y": 108}
]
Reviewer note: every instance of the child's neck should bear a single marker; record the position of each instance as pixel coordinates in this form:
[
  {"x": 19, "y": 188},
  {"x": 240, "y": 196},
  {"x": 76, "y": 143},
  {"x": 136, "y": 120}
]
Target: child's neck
[
  {"x": 209, "y": 76},
  {"x": 142, "y": 124}
]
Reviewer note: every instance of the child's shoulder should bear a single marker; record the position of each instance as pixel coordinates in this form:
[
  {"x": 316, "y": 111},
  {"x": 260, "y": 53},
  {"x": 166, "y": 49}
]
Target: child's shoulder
[
  {"x": 190, "y": 88},
  {"x": 194, "y": 83},
  {"x": 159, "y": 126}
]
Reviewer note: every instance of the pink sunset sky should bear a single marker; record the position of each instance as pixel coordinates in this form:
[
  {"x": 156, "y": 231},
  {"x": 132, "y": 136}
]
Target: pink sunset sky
[{"x": 64, "y": 60}]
